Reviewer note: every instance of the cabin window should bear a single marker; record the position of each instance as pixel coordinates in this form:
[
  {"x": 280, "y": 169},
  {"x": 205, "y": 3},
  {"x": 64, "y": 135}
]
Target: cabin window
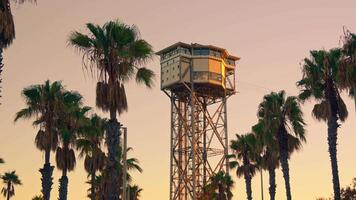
[
  {"x": 230, "y": 62},
  {"x": 215, "y": 76},
  {"x": 201, "y": 76},
  {"x": 215, "y": 53},
  {"x": 201, "y": 52}
]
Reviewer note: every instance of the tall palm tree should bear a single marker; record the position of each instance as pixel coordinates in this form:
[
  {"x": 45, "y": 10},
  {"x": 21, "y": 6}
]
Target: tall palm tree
[
  {"x": 244, "y": 153},
  {"x": 283, "y": 117},
  {"x": 10, "y": 180},
  {"x": 114, "y": 53},
  {"x": 269, "y": 159},
  {"x": 348, "y": 64},
  {"x": 89, "y": 144},
  {"x": 44, "y": 102},
  {"x": 321, "y": 81},
  {"x": 135, "y": 192},
  {"x": 7, "y": 30},
  {"x": 72, "y": 121}
]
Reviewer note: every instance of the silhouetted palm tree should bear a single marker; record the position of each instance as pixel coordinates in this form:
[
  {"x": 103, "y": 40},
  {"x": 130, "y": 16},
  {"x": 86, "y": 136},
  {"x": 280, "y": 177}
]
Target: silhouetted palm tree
[
  {"x": 349, "y": 192},
  {"x": 114, "y": 53},
  {"x": 348, "y": 65},
  {"x": 102, "y": 182},
  {"x": 10, "y": 180},
  {"x": 269, "y": 159},
  {"x": 132, "y": 164},
  {"x": 89, "y": 144},
  {"x": 99, "y": 188},
  {"x": 244, "y": 153},
  {"x": 7, "y": 30},
  {"x": 135, "y": 192},
  {"x": 72, "y": 121},
  {"x": 321, "y": 81},
  {"x": 283, "y": 118},
  {"x": 44, "y": 102},
  {"x": 222, "y": 184}
]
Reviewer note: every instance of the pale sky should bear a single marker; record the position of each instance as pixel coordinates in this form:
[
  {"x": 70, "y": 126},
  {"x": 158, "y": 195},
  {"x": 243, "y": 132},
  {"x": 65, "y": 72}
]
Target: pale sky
[{"x": 271, "y": 37}]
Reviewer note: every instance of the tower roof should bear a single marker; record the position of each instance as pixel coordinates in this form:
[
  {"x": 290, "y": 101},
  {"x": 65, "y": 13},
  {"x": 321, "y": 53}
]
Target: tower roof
[{"x": 196, "y": 46}]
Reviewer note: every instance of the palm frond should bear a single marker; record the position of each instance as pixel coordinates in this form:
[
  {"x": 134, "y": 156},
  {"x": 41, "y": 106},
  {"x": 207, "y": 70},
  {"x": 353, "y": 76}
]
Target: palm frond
[
  {"x": 322, "y": 111},
  {"x": 7, "y": 27},
  {"x": 145, "y": 76}
]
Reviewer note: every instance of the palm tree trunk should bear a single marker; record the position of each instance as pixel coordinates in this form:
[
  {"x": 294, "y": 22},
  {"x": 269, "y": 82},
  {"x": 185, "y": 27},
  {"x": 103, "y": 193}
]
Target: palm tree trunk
[
  {"x": 272, "y": 182},
  {"x": 113, "y": 141},
  {"x": 1, "y": 67},
  {"x": 285, "y": 170},
  {"x": 120, "y": 184},
  {"x": 354, "y": 90},
  {"x": 221, "y": 192},
  {"x": 92, "y": 183},
  {"x": 283, "y": 158},
  {"x": 332, "y": 138},
  {"x": 46, "y": 173},
  {"x": 8, "y": 190},
  {"x": 227, "y": 191},
  {"x": 63, "y": 186},
  {"x": 332, "y": 142},
  {"x": 261, "y": 184},
  {"x": 248, "y": 186}
]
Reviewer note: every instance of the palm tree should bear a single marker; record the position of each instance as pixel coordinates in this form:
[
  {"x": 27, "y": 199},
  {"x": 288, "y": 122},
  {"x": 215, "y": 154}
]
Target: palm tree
[
  {"x": 73, "y": 120},
  {"x": 223, "y": 184},
  {"x": 283, "y": 118},
  {"x": 132, "y": 164},
  {"x": 244, "y": 153},
  {"x": 10, "y": 180},
  {"x": 43, "y": 103},
  {"x": 321, "y": 81},
  {"x": 269, "y": 159},
  {"x": 89, "y": 145},
  {"x": 114, "y": 53},
  {"x": 38, "y": 197},
  {"x": 101, "y": 182},
  {"x": 99, "y": 186},
  {"x": 259, "y": 153},
  {"x": 219, "y": 187},
  {"x": 348, "y": 64},
  {"x": 7, "y": 30},
  {"x": 135, "y": 192}
]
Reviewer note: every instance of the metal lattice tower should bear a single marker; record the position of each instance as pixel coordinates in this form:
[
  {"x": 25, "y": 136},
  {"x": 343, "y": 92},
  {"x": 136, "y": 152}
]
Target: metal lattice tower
[{"x": 198, "y": 79}]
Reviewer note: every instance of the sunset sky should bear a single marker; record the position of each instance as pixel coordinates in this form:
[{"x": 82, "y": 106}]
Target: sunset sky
[{"x": 271, "y": 37}]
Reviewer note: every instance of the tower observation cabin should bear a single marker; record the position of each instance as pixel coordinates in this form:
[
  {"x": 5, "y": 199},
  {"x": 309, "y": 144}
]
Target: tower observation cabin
[
  {"x": 213, "y": 69},
  {"x": 198, "y": 79}
]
